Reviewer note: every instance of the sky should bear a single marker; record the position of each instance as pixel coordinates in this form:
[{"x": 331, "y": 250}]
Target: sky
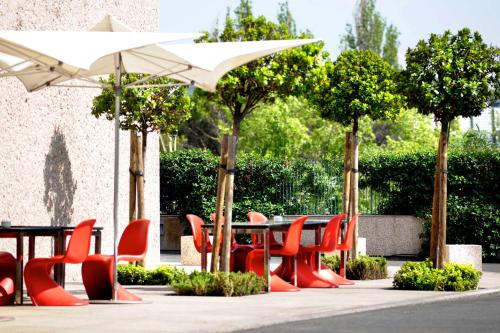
[{"x": 326, "y": 19}]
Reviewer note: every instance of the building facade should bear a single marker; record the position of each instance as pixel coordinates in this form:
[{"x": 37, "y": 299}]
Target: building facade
[{"x": 56, "y": 159}]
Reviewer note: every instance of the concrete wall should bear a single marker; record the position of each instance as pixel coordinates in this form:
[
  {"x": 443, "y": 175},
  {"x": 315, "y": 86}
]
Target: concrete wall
[
  {"x": 56, "y": 159},
  {"x": 386, "y": 235}
]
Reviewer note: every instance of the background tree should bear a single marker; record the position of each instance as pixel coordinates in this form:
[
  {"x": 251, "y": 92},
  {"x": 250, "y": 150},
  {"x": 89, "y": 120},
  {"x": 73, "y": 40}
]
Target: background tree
[
  {"x": 450, "y": 75},
  {"x": 144, "y": 110},
  {"x": 370, "y": 32},
  {"x": 360, "y": 83},
  {"x": 285, "y": 17}
]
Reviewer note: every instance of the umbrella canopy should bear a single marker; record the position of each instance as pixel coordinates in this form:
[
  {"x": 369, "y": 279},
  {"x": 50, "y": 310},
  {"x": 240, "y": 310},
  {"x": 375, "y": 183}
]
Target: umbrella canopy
[{"x": 49, "y": 58}]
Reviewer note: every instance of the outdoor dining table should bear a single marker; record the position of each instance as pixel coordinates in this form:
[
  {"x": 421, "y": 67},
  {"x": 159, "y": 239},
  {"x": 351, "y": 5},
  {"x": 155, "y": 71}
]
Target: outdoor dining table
[
  {"x": 264, "y": 229},
  {"x": 58, "y": 233}
]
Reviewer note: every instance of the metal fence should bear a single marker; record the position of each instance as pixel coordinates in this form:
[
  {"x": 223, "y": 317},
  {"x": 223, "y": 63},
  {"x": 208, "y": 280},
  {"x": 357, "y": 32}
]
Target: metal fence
[{"x": 320, "y": 193}]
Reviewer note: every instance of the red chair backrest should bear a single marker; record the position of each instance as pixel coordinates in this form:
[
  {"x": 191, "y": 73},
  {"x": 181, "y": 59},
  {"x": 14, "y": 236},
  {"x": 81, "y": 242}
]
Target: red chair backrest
[
  {"x": 349, "y": 235},
  {"x": 79, "y": 243},
  {"x": 294, "y": 233},
  {"x": 331, "y": 234},
  {"x": 134, "y": 239},
  {"x": 256, "y": 218},
  {"x": 196, "y": 222}
]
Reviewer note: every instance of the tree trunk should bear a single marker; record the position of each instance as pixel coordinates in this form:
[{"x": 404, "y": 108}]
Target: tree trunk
[
  {"x": 141, "y": 141},
  {"x": 354, "y": 192},
  {"x": 219, "y": 209},
  {"x": 438, "y": 230},
  {"x": 435, "y": 207},
  {"x": 228, "y": 211},
  {"x": 346, "y": 195},
  {"x": 132, "y": 196}
]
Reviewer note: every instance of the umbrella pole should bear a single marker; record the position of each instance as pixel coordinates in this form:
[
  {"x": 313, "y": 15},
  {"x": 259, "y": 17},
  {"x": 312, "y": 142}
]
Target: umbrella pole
[{"x": 118, "y": 65}]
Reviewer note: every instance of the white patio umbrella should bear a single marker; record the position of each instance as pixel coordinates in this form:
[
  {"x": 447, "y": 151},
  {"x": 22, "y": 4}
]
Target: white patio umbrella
[{"x": 50, "y": 58}]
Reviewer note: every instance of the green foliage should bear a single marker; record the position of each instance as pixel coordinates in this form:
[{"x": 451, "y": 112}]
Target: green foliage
[
  {"x": 422, "y": 276},
  {"x": 473, "y": 190},
  {"x": 147, "y": 109},
  {"x": 219, "y": 284},
  {"x": 370, "y": 33},
  {"x": 361, "y": 268},
  {"x": 367, "y": 268},
  {"x": 359, "y": 83},
  {"x": 285, "y": 17},
  {"x": 290, "y": 72},
  {"x": 452, "y": 75},
  {"x": 138, "y": 275}
]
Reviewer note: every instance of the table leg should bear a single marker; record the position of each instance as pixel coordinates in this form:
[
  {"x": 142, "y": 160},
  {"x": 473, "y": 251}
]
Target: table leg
[
  {"x": 19, "y": 269},
  {"x": 317, "y": 241},
  {"x": 59, "y": 250},
  {"x": 31, "y": 247},
  {"x": 98, "y": 240},
  {"x": 267, "y": 271},
  {"x": 203, "y": 249}
]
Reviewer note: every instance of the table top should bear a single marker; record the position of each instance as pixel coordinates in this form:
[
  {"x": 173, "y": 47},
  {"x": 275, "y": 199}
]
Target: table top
[
  {"x": 309, "y": 224},
  {"x": 32, "y": 229}
]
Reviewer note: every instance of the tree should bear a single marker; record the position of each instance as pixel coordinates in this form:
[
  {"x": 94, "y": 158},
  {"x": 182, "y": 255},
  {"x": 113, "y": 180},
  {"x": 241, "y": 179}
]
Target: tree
[
  {"x": 449, "y": 75},
  {"x": 371, "y": 32},
  {"x": 285, "y": 17},
  {"x": 143, "y": 111},
  {"x": 359, "y": 84},
  {"x": 244, "y": 88}
]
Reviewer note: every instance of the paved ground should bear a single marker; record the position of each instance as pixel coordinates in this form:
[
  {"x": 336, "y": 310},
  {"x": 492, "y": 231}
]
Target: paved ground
[
  {"x": 165, "y": 312},
  {"x": 472, "y": 314}
]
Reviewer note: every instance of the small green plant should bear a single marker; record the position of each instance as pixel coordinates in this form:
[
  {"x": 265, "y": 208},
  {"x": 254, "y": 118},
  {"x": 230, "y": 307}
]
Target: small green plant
[
  {"x": 423, "y": 276},
  {"x": 362, "y": 268},
  {"x": 218, "y": 284},
  {"x": 138, "y": 275}
]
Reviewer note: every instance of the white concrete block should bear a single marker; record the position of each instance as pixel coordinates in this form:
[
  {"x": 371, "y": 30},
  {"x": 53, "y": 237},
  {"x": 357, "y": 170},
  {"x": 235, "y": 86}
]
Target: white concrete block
[{"x": 465, "y": 254}]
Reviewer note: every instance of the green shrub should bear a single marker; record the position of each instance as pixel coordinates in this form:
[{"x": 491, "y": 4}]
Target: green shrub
[
  {"x": 361, "y": 268},
  {"x": 137, "y": 275},
  {"x": 218, "y": 284},
  {"x": 422, "y": 276}
]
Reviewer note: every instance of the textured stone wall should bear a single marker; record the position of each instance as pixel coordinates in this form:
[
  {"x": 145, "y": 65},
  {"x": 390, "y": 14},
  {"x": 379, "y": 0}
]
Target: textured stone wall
[{"x": 56, "y": 159}]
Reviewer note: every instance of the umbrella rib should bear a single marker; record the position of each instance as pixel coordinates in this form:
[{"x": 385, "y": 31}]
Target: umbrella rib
[{"x": 145, "y": 56}]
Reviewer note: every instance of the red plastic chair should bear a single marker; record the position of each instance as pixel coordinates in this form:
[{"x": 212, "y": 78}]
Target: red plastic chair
[
  {"x": 346, "y": 245},
  {"x": 97, "y": 270},
  {"x": 257, "y": 241},
  {"x": 196, "y": 222},
  {"x": 42, "y": 289},
  {"x": 308, "y": 266},
  {"x": 289, "y": 250},
  {"x": 7, "y": 278}
]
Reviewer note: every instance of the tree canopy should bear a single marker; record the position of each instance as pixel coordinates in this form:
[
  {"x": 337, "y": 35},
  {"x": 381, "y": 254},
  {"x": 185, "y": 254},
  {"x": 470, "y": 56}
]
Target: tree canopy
[
  {"x": 360, "y": 83},
  {"x": 452, "y": 75},
  {"x": 146, "y": 109},
  {"x": 286, "y": 73}
]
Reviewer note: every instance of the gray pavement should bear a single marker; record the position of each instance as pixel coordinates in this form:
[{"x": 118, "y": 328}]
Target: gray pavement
[{"x": 165, "y": 312}]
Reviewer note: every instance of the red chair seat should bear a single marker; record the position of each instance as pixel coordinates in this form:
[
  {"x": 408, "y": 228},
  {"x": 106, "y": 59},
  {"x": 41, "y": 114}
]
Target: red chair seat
[{"x": 7, "y": 278}]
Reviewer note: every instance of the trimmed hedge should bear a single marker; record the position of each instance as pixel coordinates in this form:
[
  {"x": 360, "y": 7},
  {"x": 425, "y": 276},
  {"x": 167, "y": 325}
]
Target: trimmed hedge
[
  {"x": 129, "y": 274},
  {"x": 422, "y": 276},
  {"x": 361, "y": 268},
  {"x": 219, "y": 284}
]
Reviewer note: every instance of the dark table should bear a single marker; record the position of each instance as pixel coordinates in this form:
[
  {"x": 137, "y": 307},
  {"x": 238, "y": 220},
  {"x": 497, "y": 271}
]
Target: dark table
[
  {"x": 58, "y": 233},
  {"x": 265, "y": 229}
]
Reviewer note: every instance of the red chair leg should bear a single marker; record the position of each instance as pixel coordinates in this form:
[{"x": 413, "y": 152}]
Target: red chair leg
[
  {"x": 255, "y": 263},
  {"x": 329, "y": 275},
  {"x": 42, "y": 289},
  {"x": 309, "y": 278},
  {"x": 97, "y": 276}
]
